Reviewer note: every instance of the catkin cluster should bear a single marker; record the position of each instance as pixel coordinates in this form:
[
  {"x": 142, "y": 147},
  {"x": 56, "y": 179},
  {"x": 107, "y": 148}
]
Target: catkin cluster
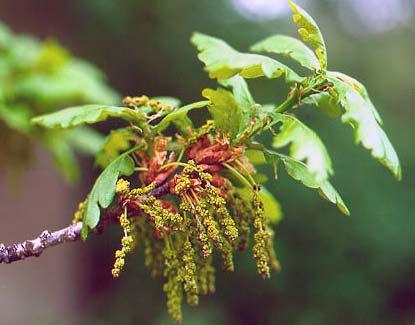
[{"x": 180, "y": 232}]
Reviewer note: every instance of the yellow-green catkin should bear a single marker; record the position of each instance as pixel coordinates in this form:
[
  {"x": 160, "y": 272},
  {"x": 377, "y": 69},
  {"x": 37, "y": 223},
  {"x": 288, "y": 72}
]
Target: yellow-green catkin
[
  {"x": 226, "y": 252},
  {"x": 261, "y": 238},
  {"x": 122, "y": 187},
  {"x": 202, "y": 212},
  {"x": 161, "y": 217},
  {"x": 79, "y": 214},
  {"x": 173, "y": 287},
  {"x": 243, "y": 216},
  {"x": 274, "y": 263},
  {"x": 146, "y": 101},
  {"x": 191, "y": 168},
  {"x": 206, "y": 128},
  {"x": 182, "y": 185},
  {"x": 225, "y": 219},
  {"x": 206, "y": 275},
  {"x": 189, "y": 273},
  {"x": 199, "y": 231},
  {"x": 138, "y": 192},
  {"x": 204, "y": 241},
  {"x": 153, "y": 253},
  {"x": 134, "y": 231},
  {"x": 127, "y": 242}
]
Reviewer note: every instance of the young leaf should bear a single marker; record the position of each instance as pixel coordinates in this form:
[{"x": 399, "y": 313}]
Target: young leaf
[
  {"x": 304, "y": 145},
  {"x": 115, "y": 143},
  {"x": 325, "y": 102},
  {"x": 179, "y": 116},
  {"x": 223, "y": 62},
  {"x": 310, "y": 33},
  {"x": 103, "y": 190},
  {"x": 225, "y": 111},
  {"x": 87, "y": 114},
  {"x": 300, "y": 172},
  {"x": 360, "y": 88},
  {"x": 359, "y": 114},
  {"x": 289, "y": 47},
  {"x": 168, "y": 100},
  {"x": 255, "y": 157},
  {"x": 243, "y": 98}
]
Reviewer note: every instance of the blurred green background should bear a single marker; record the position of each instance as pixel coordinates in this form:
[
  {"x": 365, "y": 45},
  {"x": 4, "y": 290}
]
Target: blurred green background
[{"x": 336, "y": 270}]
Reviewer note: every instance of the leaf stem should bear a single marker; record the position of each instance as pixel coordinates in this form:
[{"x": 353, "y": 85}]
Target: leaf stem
[
  {"x": 238, "y": 175},
  {"x": 141, "y": 169},
  {"x": 298, "y": 93},
  {"x": 173, "y": 163},
  {"x": 291, "y": 100}
]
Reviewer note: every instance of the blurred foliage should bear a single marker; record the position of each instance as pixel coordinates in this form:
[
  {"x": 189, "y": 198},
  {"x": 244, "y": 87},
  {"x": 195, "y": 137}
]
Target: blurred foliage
[
  {"x": 336, "y": 270},
  {"x": 38, "y": 77}
]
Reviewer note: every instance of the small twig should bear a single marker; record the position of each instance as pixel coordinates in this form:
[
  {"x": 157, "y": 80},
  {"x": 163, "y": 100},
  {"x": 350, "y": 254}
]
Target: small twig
[{"x": 35, "y": 247}]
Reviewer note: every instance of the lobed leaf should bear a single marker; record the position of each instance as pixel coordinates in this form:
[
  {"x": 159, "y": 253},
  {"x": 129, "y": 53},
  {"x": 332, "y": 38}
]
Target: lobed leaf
[
  {"x": 225, "y": 111},
  {"x": 173, "y": 101},
  {"x": 304, "y": 145},
  {"x": 310, "y": 33},
  {"x": 243, "y": 98},
  {"x": 241, "y": 93},
  {"x": 103, "y": 191},
  {"x": 360, "y": 115},
  {"x": 179, "y": 117},
  {"x": 116, "y": 142},
  {"x": 87, "y": 114},
  {"x": 361, "y": 89},
  {"x": 289, "y": 47},
  {"x": 300, "y": 172},
  {"x": 223, "y": 62},
  {"x": 325, "y": 102}
]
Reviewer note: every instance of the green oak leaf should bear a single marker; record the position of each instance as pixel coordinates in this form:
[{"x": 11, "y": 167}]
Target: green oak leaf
[
  {"x": 173, "y": 101},
  {"x": 325, "y": 102},
  {"x": 179, "y": 117},
  {"x": 243, "y": 98},
  {"x": 361, "y": 89},
  {"x": 359, "y": 113},
  {"x": 116, "y": 142},
  {"x": 223, "y": 62},
  {"x": 305, "y": 145},
  {"x": 255, "y": 157},
  {"x": 310, "y": 33},
  {"x": 300, "y": 172},
  {"x": 87, "y": 114},
  {"x": 225, "y": 111},
  {"x": 289, "y": 47},
  {"x": 103, "y": 191}
]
